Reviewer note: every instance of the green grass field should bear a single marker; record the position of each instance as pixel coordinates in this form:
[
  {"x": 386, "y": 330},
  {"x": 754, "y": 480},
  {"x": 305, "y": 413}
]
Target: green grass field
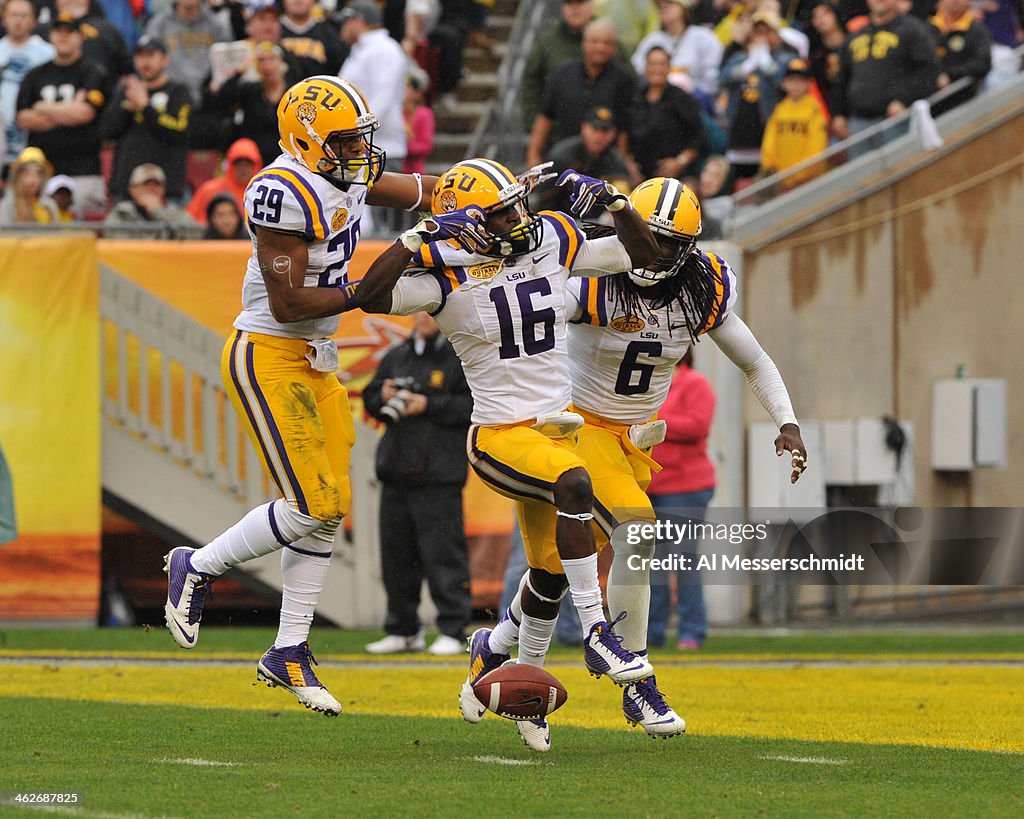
[{"x": 845, "y": 725}]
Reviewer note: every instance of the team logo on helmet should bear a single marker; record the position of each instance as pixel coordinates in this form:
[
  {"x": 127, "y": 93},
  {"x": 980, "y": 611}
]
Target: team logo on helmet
[
  {"x": 339, "y": 219},
  {"x": 448, "y": 201},
  {"x": 306, "y": 112},
  {"x": 628, "y": 324}
]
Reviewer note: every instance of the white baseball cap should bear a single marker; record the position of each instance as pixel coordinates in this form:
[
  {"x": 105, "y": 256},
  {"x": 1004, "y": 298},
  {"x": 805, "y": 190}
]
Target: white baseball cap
[{"x": 58, "y": 182}]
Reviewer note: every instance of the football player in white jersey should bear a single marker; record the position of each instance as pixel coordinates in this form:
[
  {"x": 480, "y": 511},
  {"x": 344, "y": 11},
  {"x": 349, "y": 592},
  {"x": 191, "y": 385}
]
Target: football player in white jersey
[
  {"x": 626, "y": 335},
  {"x": 499, "y": 294},
  {"x": 303, "y": 211}
]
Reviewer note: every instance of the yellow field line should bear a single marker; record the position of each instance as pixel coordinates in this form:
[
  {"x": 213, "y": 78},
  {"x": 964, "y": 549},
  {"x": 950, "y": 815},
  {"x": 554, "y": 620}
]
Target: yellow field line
[{"x": 972, "y": 707}]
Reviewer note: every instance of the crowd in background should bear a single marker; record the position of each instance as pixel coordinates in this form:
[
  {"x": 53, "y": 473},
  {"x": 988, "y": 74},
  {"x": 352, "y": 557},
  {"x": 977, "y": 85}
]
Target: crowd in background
[{"x": 152, "y": 112}]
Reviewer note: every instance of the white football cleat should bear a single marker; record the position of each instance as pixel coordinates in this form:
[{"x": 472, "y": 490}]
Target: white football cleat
[
  {"x": 644, "y": 705},
  {"x": 397, "y": 644},
  {"x": 535, "y": 733},
  {"x": 186, "y": 593},
  {"x": 603, "y": 653}
]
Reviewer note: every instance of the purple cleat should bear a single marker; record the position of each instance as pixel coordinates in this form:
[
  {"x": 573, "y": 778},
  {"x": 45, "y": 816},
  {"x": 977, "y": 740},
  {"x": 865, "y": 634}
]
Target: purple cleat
[
  {"x": 644, "y": 705},
  {"x": 186, "y": 593},
  {"x": 291, "y": 668},
  {"x": 603, "y": 653},
  {"x": 481, "y": 661}
]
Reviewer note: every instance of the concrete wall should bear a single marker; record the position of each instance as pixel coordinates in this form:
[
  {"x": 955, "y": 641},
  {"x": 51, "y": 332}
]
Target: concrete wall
[{"x": 863, "y": 310}]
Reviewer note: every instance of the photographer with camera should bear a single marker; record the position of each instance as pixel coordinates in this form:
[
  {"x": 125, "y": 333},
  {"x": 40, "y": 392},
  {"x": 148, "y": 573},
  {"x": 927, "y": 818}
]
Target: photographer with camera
[{"x": 421, "y": 395}]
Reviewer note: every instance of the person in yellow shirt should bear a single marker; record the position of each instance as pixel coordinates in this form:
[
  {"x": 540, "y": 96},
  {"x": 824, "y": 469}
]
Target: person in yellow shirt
[{"x": 797, "y": 128}]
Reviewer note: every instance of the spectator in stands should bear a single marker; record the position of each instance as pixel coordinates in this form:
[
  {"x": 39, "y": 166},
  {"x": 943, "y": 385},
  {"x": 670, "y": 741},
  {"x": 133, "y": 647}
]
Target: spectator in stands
[
  {"x": 223, "y": 219},
  {"x": 592, "y": 152},
  {"x": 103, "y": 43},
  {"x": 58, "y": 105},
  {"x": 713, "y": 191},
  {"x": 693, "y": 51},
  {"x": 377, "y": 66},
  {"x": 964, "y": 49},
  {"x": 149, "y": 117},
  {"x": 885, "y": 67},
  {"x": 188, "y": 29},
  {"x": 687, "y": 482},
  {"x": 420, "y": 393},
  {"x": 256, "y": 101},
  {"x": 1004, "y": 20},
  {"x": 827, "y": 43},
  {"x": 552, "y": 49},
  {"x": 419, "y": 122},
  {"x": 148, "y": 206},
  {"x": 633, "y": 19},
  {"x": 444, "y": 26},
  {"x": 666, "y": 125},
  {"x": 309, "y": 38},
  {"x": 797, "y": 128},
  {"x": 243, "y": 160},
  {"x": 20, "y": 51},
  {"x": 61, "y": 189},
  {"x": 595, "y": 78},
  {"x": 752, "y": 78},
  {"x": 24, "y": 200}
]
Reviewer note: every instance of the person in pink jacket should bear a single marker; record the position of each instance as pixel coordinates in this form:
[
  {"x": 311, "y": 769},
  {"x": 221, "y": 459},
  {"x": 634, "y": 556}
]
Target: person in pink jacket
[{"x": 687, "y": 481}]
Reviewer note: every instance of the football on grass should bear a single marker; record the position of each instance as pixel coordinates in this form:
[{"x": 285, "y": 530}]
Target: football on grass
[{"x": 518, "y": 691}]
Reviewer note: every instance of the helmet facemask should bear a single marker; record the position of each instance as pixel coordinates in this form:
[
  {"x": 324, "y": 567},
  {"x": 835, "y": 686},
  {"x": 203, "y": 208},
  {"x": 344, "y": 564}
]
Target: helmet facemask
[
  {"x": 664, "y": 267},
  {"x": 523, "y": 238},
  {"x": 359, "y": 170}
]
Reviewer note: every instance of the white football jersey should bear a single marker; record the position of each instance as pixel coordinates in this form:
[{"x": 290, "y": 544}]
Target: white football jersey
[
  {"x": 621, "y": 366},
  {"x": 506, "y": 318},
  {"x": 286, "y": 196}
]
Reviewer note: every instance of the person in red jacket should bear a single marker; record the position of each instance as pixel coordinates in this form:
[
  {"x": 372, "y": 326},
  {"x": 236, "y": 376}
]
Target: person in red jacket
[
  {"x": 243, "y": 160},
  {"x": 687, "y": 481}
]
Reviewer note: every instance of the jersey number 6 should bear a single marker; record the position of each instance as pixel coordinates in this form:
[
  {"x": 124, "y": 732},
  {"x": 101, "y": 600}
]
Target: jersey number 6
[{"x": 624, "y": 382}]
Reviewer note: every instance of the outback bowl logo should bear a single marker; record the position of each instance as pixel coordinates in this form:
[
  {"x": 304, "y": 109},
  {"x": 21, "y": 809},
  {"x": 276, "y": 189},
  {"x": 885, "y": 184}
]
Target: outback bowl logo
[
  {"x": 448, "y": 201},
  {"x": 487, "y": 270},
  {"x": 306, "y": 112},
  {"x": 339, "y": 219},
  {"x": 628, "y": 324}
]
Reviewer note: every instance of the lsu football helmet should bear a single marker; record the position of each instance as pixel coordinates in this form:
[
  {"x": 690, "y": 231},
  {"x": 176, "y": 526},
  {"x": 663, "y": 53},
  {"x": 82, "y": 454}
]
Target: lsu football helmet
[
  {"x": 491, "y": 187},
  {"x": 672, "y": 212},
  {"x": 315, "y": 118}
]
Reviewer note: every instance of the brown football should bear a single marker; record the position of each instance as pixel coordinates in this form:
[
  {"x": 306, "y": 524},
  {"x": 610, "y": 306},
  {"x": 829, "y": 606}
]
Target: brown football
[{"x": 518, "y": 691}]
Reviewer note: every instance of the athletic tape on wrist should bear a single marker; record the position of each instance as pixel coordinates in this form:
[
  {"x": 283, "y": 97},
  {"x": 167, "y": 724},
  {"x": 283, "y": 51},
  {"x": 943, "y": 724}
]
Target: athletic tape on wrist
[
  {"x": 584, "y": 517},
  {"x": 419, "y": 186}
]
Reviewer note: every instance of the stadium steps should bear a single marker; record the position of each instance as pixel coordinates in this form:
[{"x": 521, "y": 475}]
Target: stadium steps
[{"x": 479, "y": 85}]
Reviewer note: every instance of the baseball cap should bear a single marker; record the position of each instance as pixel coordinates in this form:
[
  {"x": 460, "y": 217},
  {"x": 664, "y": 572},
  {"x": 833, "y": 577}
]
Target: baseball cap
[
  {"x": 67, "y": 20},
  {"x": 367, "y": 9},
  {"x": 147, "y": 172},
  {"x": 600, "y": 116},
  {"x": 149, "y": 43},
  {"x": 253, "y": 7},
  {"x": 769, "y": 18},
  {"x": 58, "y": 182},
  {"x": 799, "y": 68}
]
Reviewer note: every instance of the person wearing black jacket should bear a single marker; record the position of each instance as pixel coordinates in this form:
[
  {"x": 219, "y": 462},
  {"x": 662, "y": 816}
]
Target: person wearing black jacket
[
  {"x": 150, "y": 118},
  {"x": 884, "y": 68},
  {"x": 421, "y": 395}
]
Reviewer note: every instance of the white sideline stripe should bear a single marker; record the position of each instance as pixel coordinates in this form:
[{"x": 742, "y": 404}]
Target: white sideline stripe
[
  {"x": 500, "y": 760},
  {"x": 809, "y": 760},
  {"x": 200, "y": 762},
  {"x": 84, "y": 812}
]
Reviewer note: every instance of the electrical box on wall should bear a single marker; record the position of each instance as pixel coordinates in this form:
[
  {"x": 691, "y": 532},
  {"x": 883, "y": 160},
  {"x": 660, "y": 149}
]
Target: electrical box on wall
[
  {"x": 768, "y": 475},
  {"x": 859, "y": 452},
  {"x": 968, "y": 423}
]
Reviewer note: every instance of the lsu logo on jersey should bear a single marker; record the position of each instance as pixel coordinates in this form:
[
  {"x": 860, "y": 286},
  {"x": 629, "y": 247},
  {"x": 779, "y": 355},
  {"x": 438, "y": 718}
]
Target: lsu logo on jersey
[
  {"x": 628, "y": 324},
  {"x": 486, "y": 270},
  {"x": 339, "y": 219}
]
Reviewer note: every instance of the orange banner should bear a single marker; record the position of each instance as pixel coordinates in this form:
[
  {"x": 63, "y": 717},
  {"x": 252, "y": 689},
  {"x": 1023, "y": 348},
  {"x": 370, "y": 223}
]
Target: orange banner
[{"x": 50, "y": 427}]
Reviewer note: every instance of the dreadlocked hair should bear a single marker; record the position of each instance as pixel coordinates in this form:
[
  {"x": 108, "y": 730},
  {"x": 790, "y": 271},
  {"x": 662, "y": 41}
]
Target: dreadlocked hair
[{"x": 693, "y": 288}]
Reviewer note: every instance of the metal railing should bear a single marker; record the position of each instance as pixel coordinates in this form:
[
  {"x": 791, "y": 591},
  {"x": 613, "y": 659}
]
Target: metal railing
[
  {"x": 499, "y": 134},
  {"x": 837, "y": 155}
]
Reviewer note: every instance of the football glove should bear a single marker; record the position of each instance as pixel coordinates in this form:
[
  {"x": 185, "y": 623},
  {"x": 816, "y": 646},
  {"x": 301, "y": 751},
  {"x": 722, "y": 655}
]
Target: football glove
[
  {"x": 588, "y": 191},
  {"x": 465, "y": 226},
  {"x": 537, "y": 175}
]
